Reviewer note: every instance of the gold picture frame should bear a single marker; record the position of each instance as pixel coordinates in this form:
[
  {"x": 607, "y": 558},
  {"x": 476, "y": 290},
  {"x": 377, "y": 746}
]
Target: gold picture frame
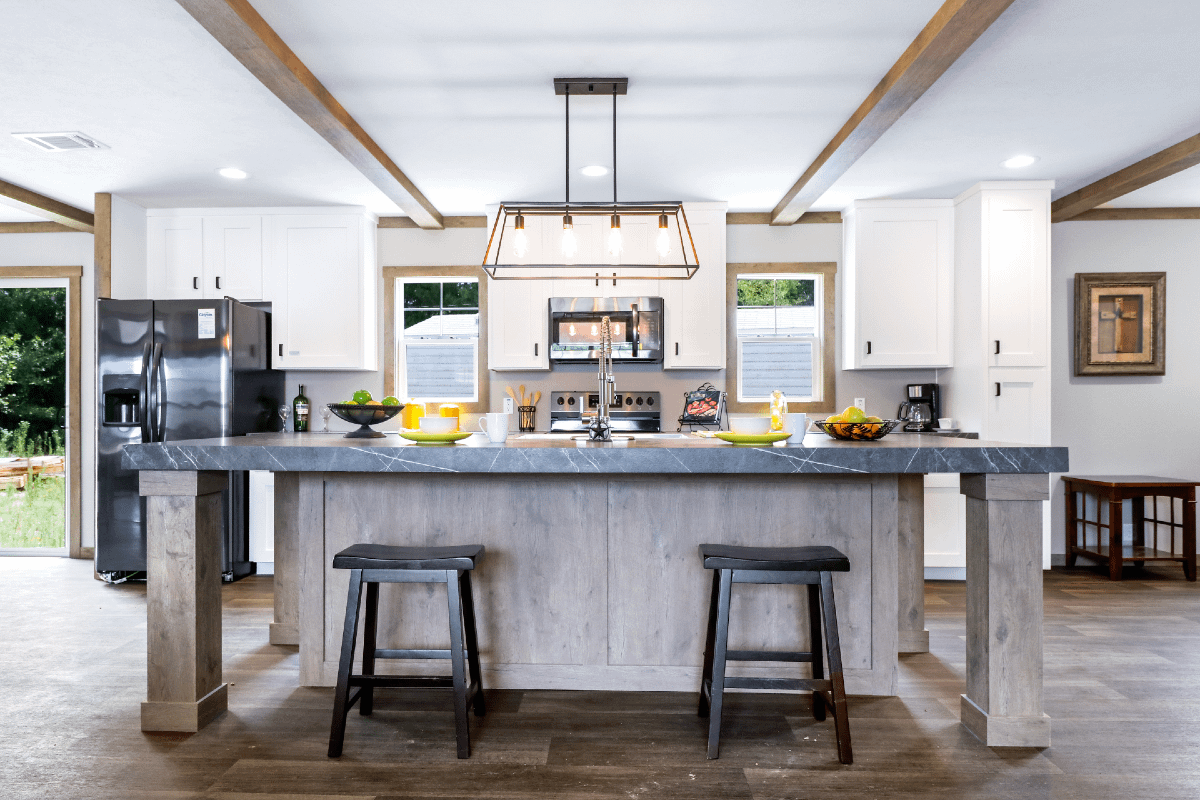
[{"x": 1120, "y": 323}]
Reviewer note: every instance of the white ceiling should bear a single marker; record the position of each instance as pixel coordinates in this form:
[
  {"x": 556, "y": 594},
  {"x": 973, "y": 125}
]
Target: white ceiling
[{"x": 727, "y": 101}]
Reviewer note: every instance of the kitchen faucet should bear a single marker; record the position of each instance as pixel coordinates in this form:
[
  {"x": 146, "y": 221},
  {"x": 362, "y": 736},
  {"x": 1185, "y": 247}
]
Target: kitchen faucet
[{"x": 600, "y": 429}]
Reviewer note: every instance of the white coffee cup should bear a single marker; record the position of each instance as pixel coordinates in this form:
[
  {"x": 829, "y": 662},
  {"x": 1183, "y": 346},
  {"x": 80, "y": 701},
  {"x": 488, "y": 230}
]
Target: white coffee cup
[
  {"x": 795, "y": 424},
  {"x": 495, "y": 426},
  {"x": 945, "y": 423}
]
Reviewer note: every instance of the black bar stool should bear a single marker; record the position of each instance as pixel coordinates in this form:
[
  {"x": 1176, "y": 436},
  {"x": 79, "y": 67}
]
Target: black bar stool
[
  {"x": 767, "y": 565},
  {"x": 374, "y": 564}
]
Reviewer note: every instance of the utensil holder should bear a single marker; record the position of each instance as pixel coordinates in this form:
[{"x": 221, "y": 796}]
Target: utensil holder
[{"x": 526, "y": 419}]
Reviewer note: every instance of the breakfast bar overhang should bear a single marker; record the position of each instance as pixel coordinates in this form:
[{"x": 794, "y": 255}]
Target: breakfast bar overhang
[{"x": 591, "y": 579}]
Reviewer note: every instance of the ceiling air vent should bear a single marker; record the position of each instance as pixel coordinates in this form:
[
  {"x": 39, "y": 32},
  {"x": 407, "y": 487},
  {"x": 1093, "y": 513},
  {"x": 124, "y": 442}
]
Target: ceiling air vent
[{"x": 68, "y": 140}]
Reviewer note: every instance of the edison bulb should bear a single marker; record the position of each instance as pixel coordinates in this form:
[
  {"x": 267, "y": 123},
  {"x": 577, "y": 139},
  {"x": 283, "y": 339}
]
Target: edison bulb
[
  {"x": 663, "y": 245},
  {"x": 570, "y": 245},
  {"x": 520, "y": 244},
  {"x": 615, "y": 245}
]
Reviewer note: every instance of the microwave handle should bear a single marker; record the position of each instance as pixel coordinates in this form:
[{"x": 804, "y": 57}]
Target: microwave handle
[{"x": 636, "y": 333}]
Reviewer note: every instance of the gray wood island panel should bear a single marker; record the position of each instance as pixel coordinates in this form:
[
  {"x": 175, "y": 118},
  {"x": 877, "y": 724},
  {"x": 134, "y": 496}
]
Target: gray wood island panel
[{"x": 592, "y": 579}]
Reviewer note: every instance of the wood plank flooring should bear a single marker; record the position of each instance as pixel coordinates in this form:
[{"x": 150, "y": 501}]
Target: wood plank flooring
[{"x": 1122, "y": 684}]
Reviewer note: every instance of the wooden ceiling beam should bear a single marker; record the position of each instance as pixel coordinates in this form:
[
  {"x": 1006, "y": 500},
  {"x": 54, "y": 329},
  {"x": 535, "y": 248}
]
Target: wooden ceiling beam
[
  {"x": 764, "y": 218},
  {"x": 447, "y": 222},
  {"x": 247, "y": 36},
  {"x": 954, "y": 28},
  {"x": 47, "y": 208},
  {"x": 1116, "y": 214},
  {"x": 1162, "y": 164},
  {"x": 34, "y": 227}
]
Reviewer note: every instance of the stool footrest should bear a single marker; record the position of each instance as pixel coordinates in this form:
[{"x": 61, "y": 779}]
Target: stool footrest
[
  {"x": 412, "y": 654},
  {"x": 780, "y": 684},
  {"x": 403, "y": 681},
  {"x": 768, "y": 655}
]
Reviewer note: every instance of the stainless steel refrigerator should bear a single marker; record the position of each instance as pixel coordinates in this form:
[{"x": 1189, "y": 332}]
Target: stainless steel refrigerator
[{"x": 170, "y": 370}]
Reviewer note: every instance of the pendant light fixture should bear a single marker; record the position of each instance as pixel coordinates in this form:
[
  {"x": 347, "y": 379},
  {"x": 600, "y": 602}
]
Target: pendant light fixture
[{"x": 585, "y": 241}]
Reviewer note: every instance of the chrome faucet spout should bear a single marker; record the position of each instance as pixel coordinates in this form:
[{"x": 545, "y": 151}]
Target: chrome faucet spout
[{"x": 601, "y": 427}]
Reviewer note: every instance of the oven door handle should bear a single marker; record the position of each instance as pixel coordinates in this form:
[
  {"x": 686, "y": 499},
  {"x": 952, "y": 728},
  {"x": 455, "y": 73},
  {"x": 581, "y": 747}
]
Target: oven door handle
[{"x": 635, "y": 330}]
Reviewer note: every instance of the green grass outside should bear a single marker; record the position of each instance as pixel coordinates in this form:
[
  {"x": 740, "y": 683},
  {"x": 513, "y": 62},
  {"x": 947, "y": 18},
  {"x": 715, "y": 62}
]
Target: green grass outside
[{"x": 36, "y": 517}]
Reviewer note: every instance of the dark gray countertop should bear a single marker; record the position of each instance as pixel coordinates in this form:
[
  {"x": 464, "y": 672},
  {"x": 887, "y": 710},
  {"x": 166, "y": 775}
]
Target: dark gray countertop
[{"x": 319, "y": 452}]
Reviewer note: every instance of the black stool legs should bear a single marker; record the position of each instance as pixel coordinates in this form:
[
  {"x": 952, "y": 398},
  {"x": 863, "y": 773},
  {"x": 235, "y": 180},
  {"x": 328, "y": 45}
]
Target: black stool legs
[
  {"x": 827, "y": 693},
  {"x": 463, "y": 653}
]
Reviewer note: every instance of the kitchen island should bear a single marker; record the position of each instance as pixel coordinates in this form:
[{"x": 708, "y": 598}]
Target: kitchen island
[{"x": 591, "y": 578}]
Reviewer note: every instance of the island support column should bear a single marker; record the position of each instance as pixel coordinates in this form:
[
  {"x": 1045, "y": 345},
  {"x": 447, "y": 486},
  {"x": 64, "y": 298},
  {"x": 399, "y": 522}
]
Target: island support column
[
  {"x": 184, "y": 691},
  {"x": 910, "y": 544},
  {"x": 1003, "y": 703},
  {"x": 285, "y": 629}
]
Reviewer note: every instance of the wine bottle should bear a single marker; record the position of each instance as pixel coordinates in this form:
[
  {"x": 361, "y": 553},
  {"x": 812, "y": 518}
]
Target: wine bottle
[{"x": 300, "y": 411}]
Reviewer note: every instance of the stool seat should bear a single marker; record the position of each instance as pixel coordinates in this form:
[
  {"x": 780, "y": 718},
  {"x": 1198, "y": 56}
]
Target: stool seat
[
  {"x": 815, "y": 558},
  {"x": 386, "y": 556}
]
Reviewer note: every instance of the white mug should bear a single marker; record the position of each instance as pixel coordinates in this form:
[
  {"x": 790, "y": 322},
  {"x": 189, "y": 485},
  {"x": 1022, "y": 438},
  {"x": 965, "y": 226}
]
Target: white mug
[
  {"x": 795, "y": 424},
  {"x": 495, "y": 426}
]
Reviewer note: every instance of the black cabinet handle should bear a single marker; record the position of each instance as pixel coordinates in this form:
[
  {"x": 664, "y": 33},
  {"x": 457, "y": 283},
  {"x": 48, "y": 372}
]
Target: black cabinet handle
[
  {"x": 281, "y": 351},
  {"x": 535, "y": 348},
  {"x": 997, "y": 347},
  {"x": 218, "y": 282},
  {"x": 868, "y": 348},
  {"x": 677, "y": 348},
  {"x": 997, "y": 388},
  {"x": 597, "y": 278},
  {"x": 195, "y": 283}
]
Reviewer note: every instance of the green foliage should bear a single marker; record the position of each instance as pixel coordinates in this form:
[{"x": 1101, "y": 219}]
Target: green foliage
[
  {"x": 33, "y": 380},
  {"x": 35, "y": 517},
  {"x": 448, "y": 294},
  {"x": 21, "y": 444},
  {"x": 775, "y": 292}
]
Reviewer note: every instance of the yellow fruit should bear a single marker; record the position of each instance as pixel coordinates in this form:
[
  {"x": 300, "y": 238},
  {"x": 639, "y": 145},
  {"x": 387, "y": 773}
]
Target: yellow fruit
[
  {"x": 373, "y": 403},
  {"x": 350, "y": 403}
]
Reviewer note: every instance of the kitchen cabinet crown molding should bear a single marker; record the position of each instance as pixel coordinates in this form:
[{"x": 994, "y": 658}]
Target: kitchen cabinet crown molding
[
  {"x": 1001, "y": 186},
  {"x": 262, "y": 211}
]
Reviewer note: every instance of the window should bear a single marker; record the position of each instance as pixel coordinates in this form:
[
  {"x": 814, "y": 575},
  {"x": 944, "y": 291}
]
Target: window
[
  {"x": 780, "y": 335},
  {"x": 437, "y": 342}
]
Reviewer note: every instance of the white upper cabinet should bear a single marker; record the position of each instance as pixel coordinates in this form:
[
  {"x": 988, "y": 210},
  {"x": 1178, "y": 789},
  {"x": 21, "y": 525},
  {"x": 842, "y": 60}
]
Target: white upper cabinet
[
  {"x": 175, "y": 258},
  {"x": 1016, "y": 267},
  {"x": 233, "y": 256},
  {"x": 201, "y": 256},
  {"x": 518, "y": 320},
  {"x": 694, "y": 310},
  {"x": 897, "y": 278},
  {"x": 321, "y": 281}
]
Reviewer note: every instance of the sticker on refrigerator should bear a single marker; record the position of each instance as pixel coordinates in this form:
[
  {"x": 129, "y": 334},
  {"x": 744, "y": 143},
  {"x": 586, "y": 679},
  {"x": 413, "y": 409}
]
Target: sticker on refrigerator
[{"x": 206, "y": 323}]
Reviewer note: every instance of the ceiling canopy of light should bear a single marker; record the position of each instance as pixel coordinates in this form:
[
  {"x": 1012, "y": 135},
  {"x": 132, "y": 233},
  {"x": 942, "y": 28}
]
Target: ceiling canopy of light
[{"x": 568, "y": 240}]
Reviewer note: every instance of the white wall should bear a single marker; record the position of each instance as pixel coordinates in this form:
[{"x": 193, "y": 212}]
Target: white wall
[
  {"x": 69, "y": 250},
  {"x": 1135, "y": 425},
  {"x": 128, "y": 250}
]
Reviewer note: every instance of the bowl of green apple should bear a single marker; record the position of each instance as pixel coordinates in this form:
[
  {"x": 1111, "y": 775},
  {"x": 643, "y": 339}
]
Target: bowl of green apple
[{"x": 365, "y": 411}]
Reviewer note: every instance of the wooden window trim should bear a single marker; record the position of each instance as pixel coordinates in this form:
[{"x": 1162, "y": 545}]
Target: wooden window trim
[
  {"x": 393, "y": 274},
  {"x": 828, "y": 272},
  {"x": 74, "y": 276}
]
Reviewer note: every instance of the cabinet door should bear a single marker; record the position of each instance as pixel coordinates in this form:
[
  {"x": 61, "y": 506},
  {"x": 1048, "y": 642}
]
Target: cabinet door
[
  {"x": 1016, "y": 260},
  {"x": 899, "y": 279},
  {"x": 518, "y": 314},
  {"x": 233, "y": 257},
  {"x": 318, "y": 281},
  {"x": 1018, "y": 406},
  {"x": 174, "y": 258},
  {"x": 695, "y": 313}
]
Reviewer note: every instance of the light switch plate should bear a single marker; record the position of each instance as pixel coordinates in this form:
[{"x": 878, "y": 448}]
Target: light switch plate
[{"x": 508, "y": 405}]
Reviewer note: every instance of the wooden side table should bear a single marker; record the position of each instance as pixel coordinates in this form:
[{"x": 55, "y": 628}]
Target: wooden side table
[{"x": 1112, "y": 489}]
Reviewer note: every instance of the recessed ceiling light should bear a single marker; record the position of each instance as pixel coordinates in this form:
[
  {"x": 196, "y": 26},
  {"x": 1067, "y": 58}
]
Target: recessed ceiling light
[
  {"x": 595, "y": 171},
  {"x": 233, "y": 173},
  {"x": 1018, "y": 162}
]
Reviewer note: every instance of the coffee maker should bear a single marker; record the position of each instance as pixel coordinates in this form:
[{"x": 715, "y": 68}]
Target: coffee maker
[{"x": 923, "y": 408}]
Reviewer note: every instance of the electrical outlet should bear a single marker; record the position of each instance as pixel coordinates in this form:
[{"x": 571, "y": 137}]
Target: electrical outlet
[
  {"x": 860, "y": 403},
  {"x": 508, "y": 405}
]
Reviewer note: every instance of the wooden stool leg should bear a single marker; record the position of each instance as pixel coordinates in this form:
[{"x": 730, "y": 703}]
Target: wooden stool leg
[
  {"x": 475, "y": 675},
  {"x": 1072, "y": 524},
  {"x": 718, "y": 668},
  {"x": 341, "y": 698},
  {"x": 1189, "y": 534},
  {"x": 462, "y": 728},
  {"x": 814, "y": 639},
  {"x": 841, "y": 716},
  {"x": 366, "y": 701},
  {"x": 1137, "y": 515},
  {"x": 1116, "y": 538},
  {"x": 709, "y": 638}
]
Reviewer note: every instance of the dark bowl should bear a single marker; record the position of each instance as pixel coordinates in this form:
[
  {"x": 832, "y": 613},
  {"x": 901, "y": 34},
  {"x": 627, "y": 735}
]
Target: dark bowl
[
  {"x": 364, "y": 416},
  {"x": 858, "y": 431}
]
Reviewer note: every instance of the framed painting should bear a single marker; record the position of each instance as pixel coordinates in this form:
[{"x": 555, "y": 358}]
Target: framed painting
[{"x": 1120, "y": 323}]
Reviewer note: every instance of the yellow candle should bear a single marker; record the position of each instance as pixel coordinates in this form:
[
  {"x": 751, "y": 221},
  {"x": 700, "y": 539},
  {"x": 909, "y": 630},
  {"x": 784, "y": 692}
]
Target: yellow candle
[
  {"x": 450, "y": 410},
  {"x": 412, "y": 413}
]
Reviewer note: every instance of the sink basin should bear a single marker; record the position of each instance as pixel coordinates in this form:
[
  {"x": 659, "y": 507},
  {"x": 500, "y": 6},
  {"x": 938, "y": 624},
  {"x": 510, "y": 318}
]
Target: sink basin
[{"x": 565, "y": 435}]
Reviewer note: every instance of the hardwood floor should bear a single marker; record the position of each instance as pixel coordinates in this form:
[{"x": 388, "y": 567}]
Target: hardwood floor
[{"x": 1122, "y": 684}]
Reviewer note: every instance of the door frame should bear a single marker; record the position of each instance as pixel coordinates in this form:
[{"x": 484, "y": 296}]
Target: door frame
[{"x": 73, "y": 277}]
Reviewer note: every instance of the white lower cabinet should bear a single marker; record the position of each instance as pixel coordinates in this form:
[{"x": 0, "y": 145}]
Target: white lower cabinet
[{"x": 262, "y": 518}]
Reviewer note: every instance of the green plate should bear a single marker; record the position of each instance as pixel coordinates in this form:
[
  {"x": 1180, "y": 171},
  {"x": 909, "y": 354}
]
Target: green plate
[
  {"x": 434, "y": 438},
  {"x": 751, "y": 439}
]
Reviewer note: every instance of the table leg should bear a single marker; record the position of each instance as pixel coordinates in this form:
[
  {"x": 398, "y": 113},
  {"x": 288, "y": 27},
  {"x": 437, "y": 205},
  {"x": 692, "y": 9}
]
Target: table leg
[
  {"x": 1116, "y": 538},
  {"x": 1189, "y": 534},
  {"x": 1003, "y": 702},
  {"x": 184, "y": 691},
  {"x": 286, "y": 627},
  {"x": 1072, "y": 523},
  {"x": 1137, "y": 516},
  {"x": 910, "y": 540}
]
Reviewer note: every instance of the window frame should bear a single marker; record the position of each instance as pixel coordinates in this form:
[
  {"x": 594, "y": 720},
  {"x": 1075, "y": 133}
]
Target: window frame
[
  {"x": 392, "y": 277},
  {"x": 826, "y": 353}
]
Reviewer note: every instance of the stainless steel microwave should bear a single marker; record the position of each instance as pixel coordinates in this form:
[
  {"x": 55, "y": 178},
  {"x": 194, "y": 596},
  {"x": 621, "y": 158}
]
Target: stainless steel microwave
[{"x": 636, "y": 324}]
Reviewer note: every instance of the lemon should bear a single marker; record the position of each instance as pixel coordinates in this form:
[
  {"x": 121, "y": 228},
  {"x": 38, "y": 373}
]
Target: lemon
[{"x": 373, "y": 403}]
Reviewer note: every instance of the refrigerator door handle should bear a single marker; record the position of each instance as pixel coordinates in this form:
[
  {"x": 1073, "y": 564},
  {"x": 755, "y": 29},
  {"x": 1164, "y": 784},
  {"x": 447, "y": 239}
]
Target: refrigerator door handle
[
  {"x": 144, "y": 394},
  {"x": 156, "y": 403}
]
